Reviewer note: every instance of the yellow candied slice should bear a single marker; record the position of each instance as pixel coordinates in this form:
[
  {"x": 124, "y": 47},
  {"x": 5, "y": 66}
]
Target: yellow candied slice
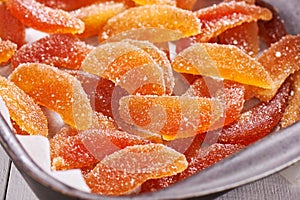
[
  {"x": 123, "y": 171},
  {"x": 170, "y": 116},
  {"x": 96, "y": 15},
  {"x": 56, "y": 90},
  {"x": 22, "y": 109},
  {"x": 152, "y": 16},
  {"x": 151, "y": 2},
  {"x": 7, "y": 50},
  {"x": 222, "y": 61}
]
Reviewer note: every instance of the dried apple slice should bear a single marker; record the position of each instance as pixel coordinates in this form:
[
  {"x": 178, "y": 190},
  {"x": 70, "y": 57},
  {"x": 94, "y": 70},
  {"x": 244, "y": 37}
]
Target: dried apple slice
[
  {"x": 96, "y": 15},
  {"x": 10, "y": 27},
  {"x": 60, "y": 50},
  {"x": 222, "y": 61},
  {"x": 56, "y": 90},
  {"x": 170, "y": 116},
  {"x": 123, "y": 171},
  {"x": 152, "y": 16},
  {"x": 43, "y": 18},
  {"x": 217, "y": 19},
  {"x": 7, "y": 50},
  {"x": 22, "y": 109}
]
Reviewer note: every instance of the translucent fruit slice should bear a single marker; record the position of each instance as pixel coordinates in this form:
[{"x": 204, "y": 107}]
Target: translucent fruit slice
[
  {"x": 60, "y": 50},
  {"x": 67, "y": 4},
  {"x": 56, "y": 90},
  {"x": 280, "y": 60},
  {"x": 218, "y": 18},
  {"x": 10, "y": 27},
  {"x": 96, "y": 15},
  {"x": 22, "y": 109},
  {"x": 171, "y": 116},
  {"x": 222, "y": 61},
  {"x": 152, "y": 16},
  {"x": 38, "y": 16},
  {"x": 159, "y": 2},
  {"x": 186, "y": 4},
  {"x": 125, "y": 170},
  {"x": 7, "y": 50}
]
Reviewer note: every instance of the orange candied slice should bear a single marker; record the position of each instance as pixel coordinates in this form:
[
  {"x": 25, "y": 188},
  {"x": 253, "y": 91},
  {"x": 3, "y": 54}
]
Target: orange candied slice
[
  {"x": 10, "y": 27},
  {"x": 126, "y": 65},
  {"x": 292, "y": 112},
  {"x": 218, "y": 18},
  {"x": 222, "y": 61},
  {"x": 60, "y": 50},
  {"x": 56, "y": 90},
  {"x": 7, "y": 50},
  {"x": 170, "y": 116},
  {"x": 280, "y": 60},
  {"x": 257, "y": 122},
  {"x": 123, "y": 171},
  {"x": 67, "y": 4},
  {"x": 96, "y": 15},
  {"x": 186, "y": 4},
  {"x": 22, "y": 109},
  {"x": 159, "y": 2},
  {"x": 38, "y": 16},
  {"x": 152, "y": 16}
]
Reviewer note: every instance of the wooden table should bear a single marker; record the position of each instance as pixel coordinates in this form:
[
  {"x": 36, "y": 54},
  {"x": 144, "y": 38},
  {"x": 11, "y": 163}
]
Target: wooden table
[{"x": 275, "y": 187}]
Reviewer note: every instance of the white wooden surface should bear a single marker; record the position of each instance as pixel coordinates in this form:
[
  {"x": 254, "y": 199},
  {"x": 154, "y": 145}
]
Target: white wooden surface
[{"x": 275, "y": 187}]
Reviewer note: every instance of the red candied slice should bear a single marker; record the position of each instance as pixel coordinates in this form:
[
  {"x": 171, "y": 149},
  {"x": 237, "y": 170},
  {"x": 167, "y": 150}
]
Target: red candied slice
[
  {"x": 71, "y": 149},
  {"x": 258, "y": 121},
  {"x": 171, "y": 116},
  {"x": 206, "y": 157},
  {"x": 10, "y": 27},
  {"x": 273, "y": 30},
  {"x": 231, "y": 93},
  {"x": 7, "y": 50},
  {"x": 38, "y": 16},
  {"x": 221, "y": 17},
  {"x": 281, "y": 60},
  {"x": 123, "y": 171},
  {"x": 60, "y": 50}
]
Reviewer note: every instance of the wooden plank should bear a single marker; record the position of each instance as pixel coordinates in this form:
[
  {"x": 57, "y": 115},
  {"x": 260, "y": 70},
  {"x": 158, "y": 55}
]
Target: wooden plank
[
  {"x": 17, "y": 187},
  {"x": 4, "y": 172}
]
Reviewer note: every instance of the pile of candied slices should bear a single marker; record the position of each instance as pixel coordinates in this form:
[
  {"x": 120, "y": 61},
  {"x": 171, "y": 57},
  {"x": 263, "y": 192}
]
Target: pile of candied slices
[{"x": 140, "y": 94}]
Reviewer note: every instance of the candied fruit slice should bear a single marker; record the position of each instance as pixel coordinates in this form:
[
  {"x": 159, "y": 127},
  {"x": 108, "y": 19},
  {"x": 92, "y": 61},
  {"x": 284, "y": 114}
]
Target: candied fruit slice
[
  {"x": 10, "y": 27},
  {"x": 123, "y": 171},
  {"x": 152, "y": 16},
  {"x": 7, "y": 50},
  {"x": 218, "y": 18},
  {"x": 186, "y": 4},
  {"x": 258, "y": 121},
  {"x": 60, "y": 50},
  {"x": 171, "y": 116},
  {"x": 280, "y": 60},
  {"x": 67, "y": 4},
  {"x": 206, "y": 157},
  {"x": 38, "y": 16},
  {"x": 96, "y": 15},
  {"x": 222, "y": 61},
  {"x": 292, "y": 112},
  {"x": 273, "y": 30},
  {"x": 159, "y": 2},
  {"x": 56, "y": 90},
  {"x": 22, "y": 109}
]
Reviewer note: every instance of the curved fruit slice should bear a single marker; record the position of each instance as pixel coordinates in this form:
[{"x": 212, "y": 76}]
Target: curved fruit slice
[
  {"x": 67, "y": 4},
  {"x": 96, "y": 15},
  {"x": 43, "y": 18},
  {"x": 258, "y": 121},
  {"x": 10, "y": 27},
  {"x": 60, "y": 50},
  {"x": 222, "y": 61},
  {"x": 125, "y": 170},
  {"x": 7, "y": 50},
  {"x": 152, "y": 16},
  {"x": 218, "y": 18},
  {"x": 128, "y": 66},
  {"x": 206, "y": 157},
  {"x": 56, "y": 90},
  {"x": 152, "y": 2},
  {"x": 186, "y": 4},
  {"x": 280, "y": 60},
  {"x": 171, "y": 116},
  {"x": 22, "y": 109}
]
